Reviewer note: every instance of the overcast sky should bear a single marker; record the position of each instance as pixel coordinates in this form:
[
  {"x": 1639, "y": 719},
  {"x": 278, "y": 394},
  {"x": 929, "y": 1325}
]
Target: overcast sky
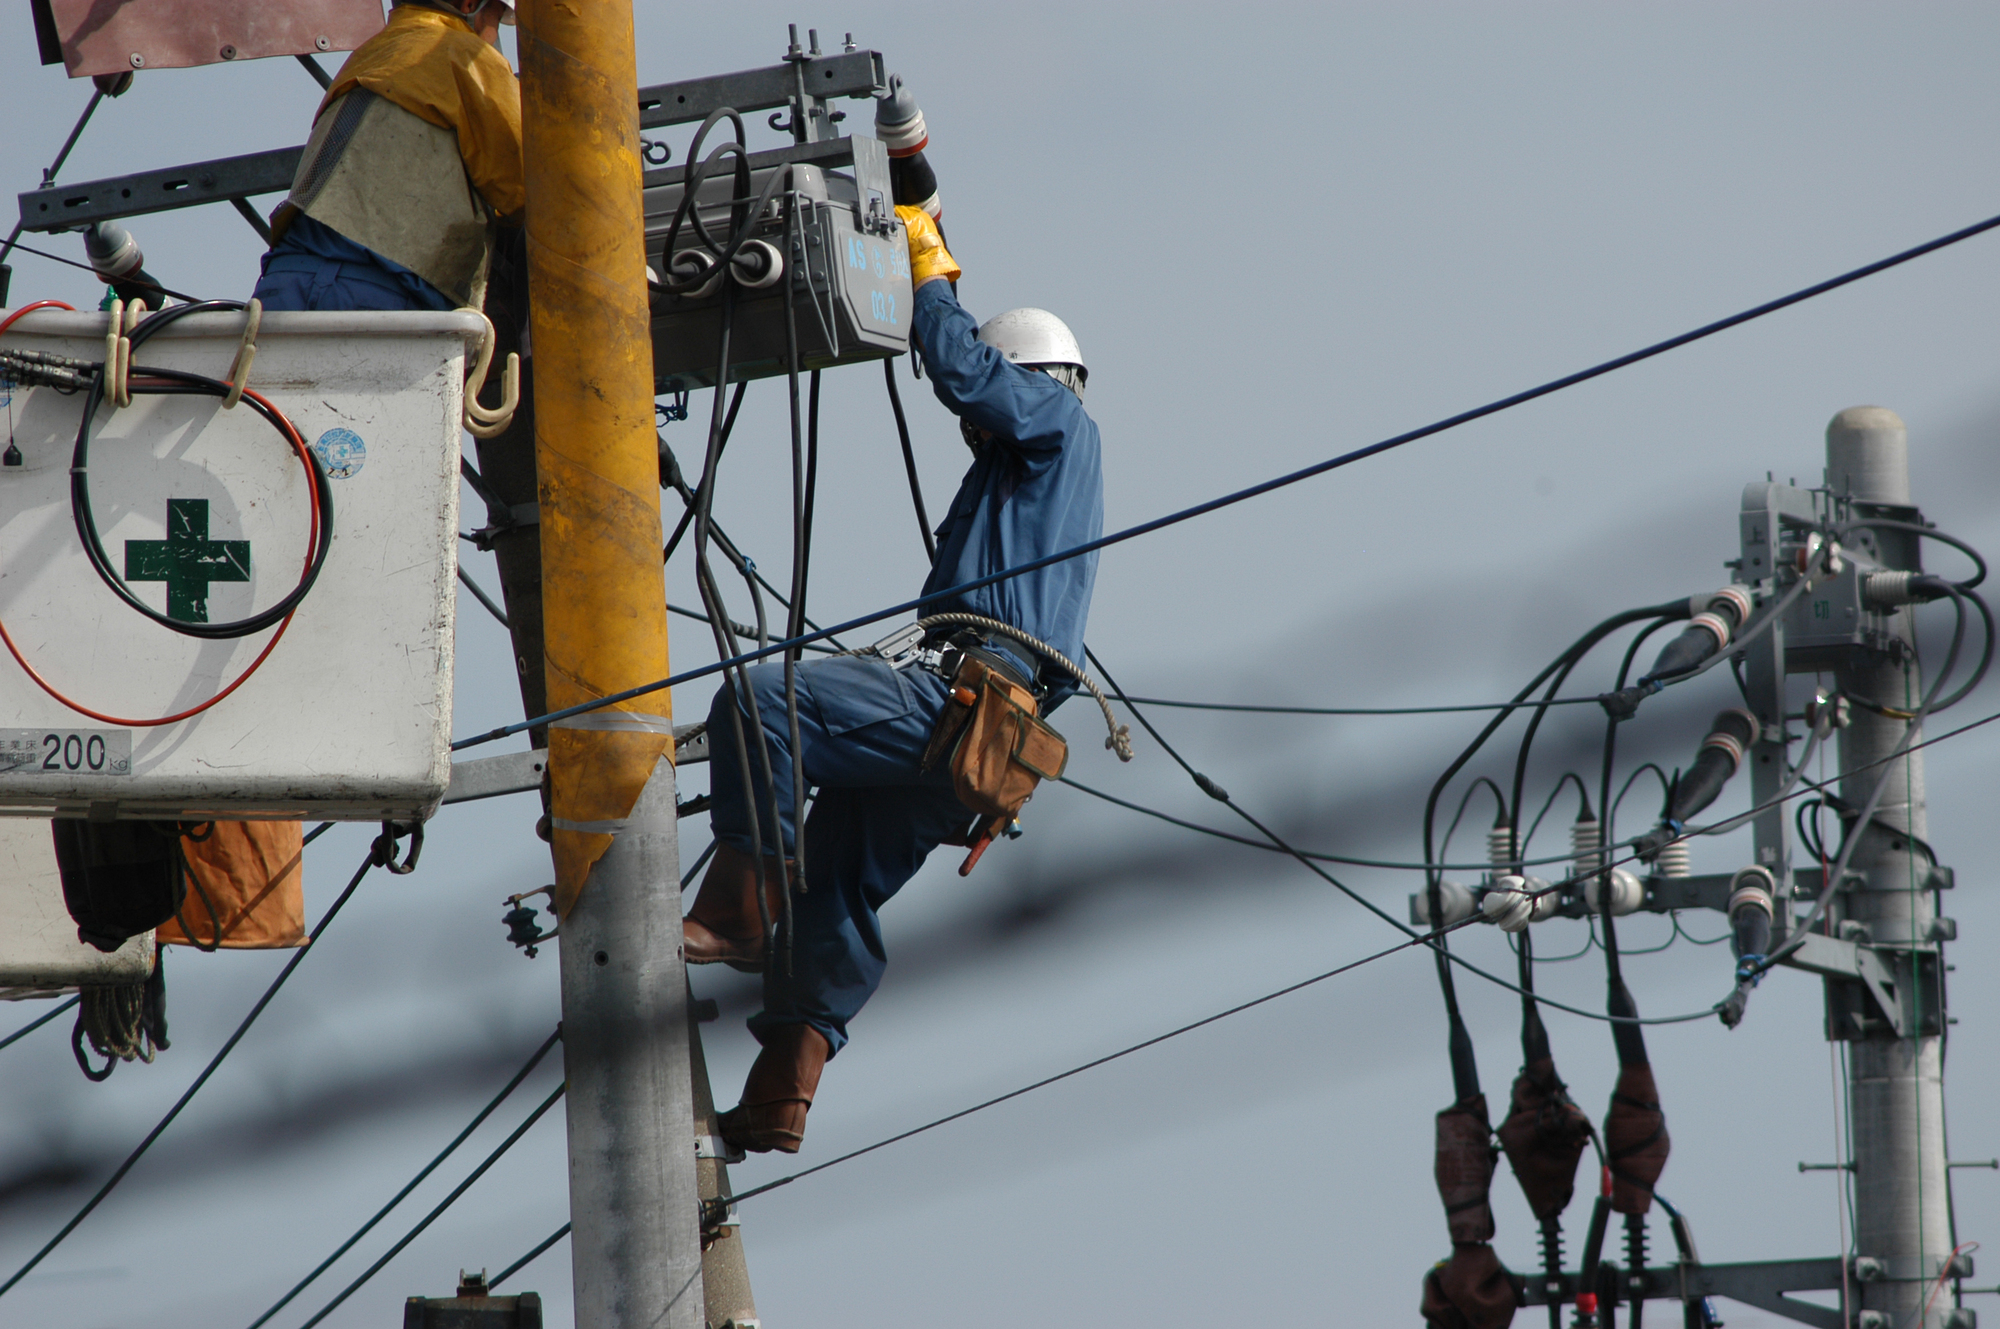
[{"x": 1279, "y": 232}]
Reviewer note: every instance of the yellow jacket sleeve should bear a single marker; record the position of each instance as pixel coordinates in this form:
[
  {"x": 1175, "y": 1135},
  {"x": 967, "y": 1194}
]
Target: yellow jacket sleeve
[{"x": 434, "y": 67}]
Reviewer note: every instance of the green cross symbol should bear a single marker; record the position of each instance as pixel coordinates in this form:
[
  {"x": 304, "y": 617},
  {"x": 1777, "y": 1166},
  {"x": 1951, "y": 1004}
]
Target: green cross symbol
[{"x": 187, "y": 560}]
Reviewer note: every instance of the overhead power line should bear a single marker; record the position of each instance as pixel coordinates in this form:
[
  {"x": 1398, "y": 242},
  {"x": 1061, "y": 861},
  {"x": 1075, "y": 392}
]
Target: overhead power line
[
  {"x": 529, "y": 1258},
  {"x": 415, "y": 1181},
  {"x": 1351, "y": 710},
  {"x": 37, "y": 1023},
  {"x": 1420, "y": 939},
  {"x": 375, "y": 857},
  {"x": 442, "y": 1205},
  {"x": 1234, "y": 497}
]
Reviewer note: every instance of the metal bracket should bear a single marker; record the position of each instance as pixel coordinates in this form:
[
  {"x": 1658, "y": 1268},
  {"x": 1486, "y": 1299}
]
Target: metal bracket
[
  {"x": 1831, "y": 958},
  {"x": 714, "y": 1146},
  {"x": 1762, "y": 1284},
  {"x": 69, "y": 207},
  {"x": 842, "y": 74}
]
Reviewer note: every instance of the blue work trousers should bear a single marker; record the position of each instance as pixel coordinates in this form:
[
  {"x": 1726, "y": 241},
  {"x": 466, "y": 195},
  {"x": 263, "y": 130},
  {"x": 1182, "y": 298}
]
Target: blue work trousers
[
  {"x": 862, "y": 731},
  {"x": 316, "y": 267}
]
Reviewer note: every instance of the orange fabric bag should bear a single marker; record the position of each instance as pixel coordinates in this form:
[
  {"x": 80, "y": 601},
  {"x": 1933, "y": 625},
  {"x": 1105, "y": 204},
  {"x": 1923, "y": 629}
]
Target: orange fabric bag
[{"x": 246, "y": 888}]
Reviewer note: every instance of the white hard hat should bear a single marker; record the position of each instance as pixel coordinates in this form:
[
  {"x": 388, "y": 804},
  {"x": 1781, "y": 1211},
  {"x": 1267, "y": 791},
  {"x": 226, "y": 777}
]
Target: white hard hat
[{"x": 1033, "y": 337}]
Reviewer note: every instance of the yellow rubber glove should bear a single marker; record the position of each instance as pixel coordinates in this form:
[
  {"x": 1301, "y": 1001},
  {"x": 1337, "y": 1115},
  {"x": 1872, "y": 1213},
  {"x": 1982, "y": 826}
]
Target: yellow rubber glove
[{"x": 928, "y": 256}]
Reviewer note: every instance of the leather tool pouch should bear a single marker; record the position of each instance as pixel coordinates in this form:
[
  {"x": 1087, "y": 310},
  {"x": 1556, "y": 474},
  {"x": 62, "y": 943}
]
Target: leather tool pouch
[{"x": 1000, "y": 748}]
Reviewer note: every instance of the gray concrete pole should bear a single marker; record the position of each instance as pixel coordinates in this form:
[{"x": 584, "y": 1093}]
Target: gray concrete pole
[
  {"x": 1902, "y": 1208},
  {"x": 636, "y": 1236},
  {"x": 724, "y": 1273}
]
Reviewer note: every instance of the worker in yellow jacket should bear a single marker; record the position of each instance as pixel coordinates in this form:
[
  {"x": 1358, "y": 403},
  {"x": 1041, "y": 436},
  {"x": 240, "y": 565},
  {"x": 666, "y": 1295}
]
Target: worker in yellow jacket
[{"x": 415, "y": 154}]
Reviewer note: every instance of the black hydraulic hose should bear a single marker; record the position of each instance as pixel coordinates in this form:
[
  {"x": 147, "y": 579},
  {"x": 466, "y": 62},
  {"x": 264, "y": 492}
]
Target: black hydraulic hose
[
  {"x": 910, "y": 461},
  {"x": 181, "y": 383}
]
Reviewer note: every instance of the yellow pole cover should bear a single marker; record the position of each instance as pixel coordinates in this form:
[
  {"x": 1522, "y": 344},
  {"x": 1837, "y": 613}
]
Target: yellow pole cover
[{"x": 604, "y": 601}]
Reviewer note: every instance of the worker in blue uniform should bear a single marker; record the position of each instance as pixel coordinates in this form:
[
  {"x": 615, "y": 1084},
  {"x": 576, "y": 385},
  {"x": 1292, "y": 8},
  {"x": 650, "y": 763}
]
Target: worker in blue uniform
[{"x": 1035, "y": 488}]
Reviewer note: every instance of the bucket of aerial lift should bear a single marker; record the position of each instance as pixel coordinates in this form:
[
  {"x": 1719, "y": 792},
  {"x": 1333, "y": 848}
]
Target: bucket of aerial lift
[
  {"x": 40, "y": 954},
  {"x": 206, "y": 513}
]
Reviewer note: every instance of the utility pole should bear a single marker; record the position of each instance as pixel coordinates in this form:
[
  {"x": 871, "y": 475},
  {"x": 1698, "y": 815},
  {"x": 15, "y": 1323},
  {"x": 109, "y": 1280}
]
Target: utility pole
[
  {"x": 1901, "y": 1200},
  {"x": 634, "y": 1203}
]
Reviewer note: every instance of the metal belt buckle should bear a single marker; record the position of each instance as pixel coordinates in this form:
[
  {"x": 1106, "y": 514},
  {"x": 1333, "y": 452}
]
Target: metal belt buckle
[{"x": 900, "y": 648}]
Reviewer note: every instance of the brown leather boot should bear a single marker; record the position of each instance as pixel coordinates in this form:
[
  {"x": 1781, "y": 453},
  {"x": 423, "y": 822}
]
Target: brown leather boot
[
  {"x": 724, "y": 926},
  {"x": 778, "y": 1091}
]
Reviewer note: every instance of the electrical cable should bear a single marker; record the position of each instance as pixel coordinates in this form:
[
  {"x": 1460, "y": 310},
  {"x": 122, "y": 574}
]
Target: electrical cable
[
  {"x": 180, "y": 382},
  {"x": 415, "y": 1181},
  {"x": 910, "y": 462},
  {"x": 745, "y": 699},
  {"x": 1904, "y": 747},
  {"x": 1268, "y": 847},
  {"x": 375, "y": 858},
  {"x": 442, "y": 1205},
  {"x": 1414, "y": 941},
  {"x": 529, "y": 1258},
  {"x": 37, "y": 1023},
  {"x": 679, "y": 483},
  {"x": 1549, "y": 803},
  {"x": 1221, "y": 795},
  {"x": 134, "y": 280},
  {"x": 745, "y": 630},
  {"x": 794, "y": 621},
  {"x": 1352, "y": 710},
  {"x": 1464, "y": 802},
  {"x": 1234, "y": 497},
  {"x": 318, "y": 543}
]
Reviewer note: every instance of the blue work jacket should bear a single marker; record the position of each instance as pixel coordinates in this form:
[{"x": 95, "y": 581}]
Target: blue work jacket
[{"x": 1037, "y": 489}]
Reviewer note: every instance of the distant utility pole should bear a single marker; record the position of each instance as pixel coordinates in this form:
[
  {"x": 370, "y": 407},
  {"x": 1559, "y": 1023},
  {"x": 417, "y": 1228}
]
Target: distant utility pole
[
  {"x": 1902, "y": 1231},
  {"x": 634, "y": 1203}
]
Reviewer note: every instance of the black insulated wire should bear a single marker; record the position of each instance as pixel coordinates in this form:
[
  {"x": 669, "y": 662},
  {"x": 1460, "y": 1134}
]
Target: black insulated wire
[
  {"x": 1289, "y": 478},
  {"x": 404, "y": 1194},
  {"x": 910, "y": 461},
  {"x": 181, "y": 383},
  {"x": 298, "y": 956}
]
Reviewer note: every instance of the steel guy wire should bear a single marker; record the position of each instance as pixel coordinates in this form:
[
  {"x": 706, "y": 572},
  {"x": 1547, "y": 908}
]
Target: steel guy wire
[
  {"x": 529, "y": 1258},
  {"x": 37, "y": 1023},
  {"x": 415, "y": 1181},
  {"x": 1258, "y": 490},
  {"x": 442, "y": 1205},
  {"x": 373, "y": 859}
]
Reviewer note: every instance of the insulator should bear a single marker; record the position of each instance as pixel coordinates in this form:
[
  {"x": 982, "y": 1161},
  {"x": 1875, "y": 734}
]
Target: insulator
[
  {"x": 1455, "y": 902},
  {"x": 1627, "y": 892},
  {"x": 1675, "y": 860},
  {"x": 1586, "y": 838},
  {"x": 1500, "y": 848},
  {"x": 1507, "y": 904}
]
